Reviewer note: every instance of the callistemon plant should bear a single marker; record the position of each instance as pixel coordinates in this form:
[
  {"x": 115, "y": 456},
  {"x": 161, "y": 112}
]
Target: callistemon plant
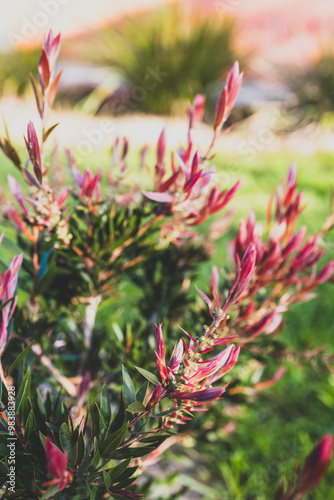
[
  {"x": 285, "y": 265},
  {"x": 188, "y": 378},
  {"x": 79, "y": 246}
]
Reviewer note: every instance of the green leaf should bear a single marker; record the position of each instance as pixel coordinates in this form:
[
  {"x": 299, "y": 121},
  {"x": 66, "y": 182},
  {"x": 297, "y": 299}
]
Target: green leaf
[
  {"x": 119, "y": 469},
  {"x": 119, "y": 418},
  {"x": 117, "y": 496},
  {"x": 18, "y": 360},
  {"x": 111, "y": 443},
  {"x": 52, "y": 427},
  {"x": 125, "y": 483},
  {"x": 73, "y": 458},
  {"x": 43, "y": 439},
  {"x": 48, "y": 131},
  {"x": 129, "y": 389},
  {"x": 164, "y": 413},
  {"x": 92, "y": 412},
  {"x": 24, "y": 393},
  {"x": 105, "y": 405},
  {"x": 106, "y": 479},
  {"x": 26, "y": 378},
  {"x": 29, "y": 427},
  {"x": 94, "y": 463},
  {"x": 126, "y": 474},
  {"x": 60, "y": 409},
  {"x": 94, "y": 493},
  {"x": 101, "y": 416},
  {"x": 48, "y": 405},
  {"x": 148, "y": 375},
  {"x": 4, "y": 304},
  {"x": 141, "y": 393},
  {"x": 65, "y": 439},
  {"x": 81, "y": 448},
  {"x": 50, "y": 492},
  {"x": 139, "y": 451},
  {"x": 40, "y": 403},
  {"x": 10, "y": 151},
  {"x": 155, "y": 439},
  {"x": 136, "y": 407}
]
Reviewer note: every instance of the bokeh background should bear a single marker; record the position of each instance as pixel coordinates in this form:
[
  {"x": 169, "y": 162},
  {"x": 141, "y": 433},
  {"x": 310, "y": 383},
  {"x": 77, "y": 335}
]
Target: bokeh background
[{"x": 129, "y": 67}]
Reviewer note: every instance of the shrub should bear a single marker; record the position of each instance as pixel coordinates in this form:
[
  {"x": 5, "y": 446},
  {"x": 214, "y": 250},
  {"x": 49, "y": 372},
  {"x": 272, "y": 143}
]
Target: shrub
[
  {"x": 313, "y": 96},
  {"x": 176, "y": 54},
  {"x": 75, "y": 424}
]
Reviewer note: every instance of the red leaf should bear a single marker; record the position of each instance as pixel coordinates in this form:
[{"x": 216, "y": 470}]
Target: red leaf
[
  {"x": 44, "y": 71},
  {"x": 159, "y": 197},
  {"x": 220, "y": 110},
  {"x": 53, "y": 89},
  {"x": 204, "y": 297},
  {"x": 161, "y": 147},
  {"x": 316, "y": 465}
]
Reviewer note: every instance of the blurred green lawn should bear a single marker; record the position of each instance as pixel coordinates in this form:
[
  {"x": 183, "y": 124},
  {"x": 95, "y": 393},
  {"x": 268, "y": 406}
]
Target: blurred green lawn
[{"x": 280, "y": 425}]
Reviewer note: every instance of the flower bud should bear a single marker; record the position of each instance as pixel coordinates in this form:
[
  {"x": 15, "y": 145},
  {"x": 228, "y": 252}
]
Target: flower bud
[{"x": 316, "y": 465}]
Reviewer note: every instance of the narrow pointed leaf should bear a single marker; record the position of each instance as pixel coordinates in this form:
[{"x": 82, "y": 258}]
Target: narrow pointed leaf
[
  {"x": 141, "y": 393},
  {"x": 114, "y": 440},
  {"x": 65, "y": 439},
  {"x": 129, "y": 389},
  {"x": 136, "y": 407},
  {"x": 93, "y": 493},
  {"x": 50, "y": 492},
  {"x": 19, "y": 359},
  {"x": 119, "y": 469},
  {"x": 106, "y": 479},
  {"x": 148, "y": 375},
  {"x": 48, "y": 131},
  {"x": 105, "y": 405},
  {"x": 166, "y": 412}
]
